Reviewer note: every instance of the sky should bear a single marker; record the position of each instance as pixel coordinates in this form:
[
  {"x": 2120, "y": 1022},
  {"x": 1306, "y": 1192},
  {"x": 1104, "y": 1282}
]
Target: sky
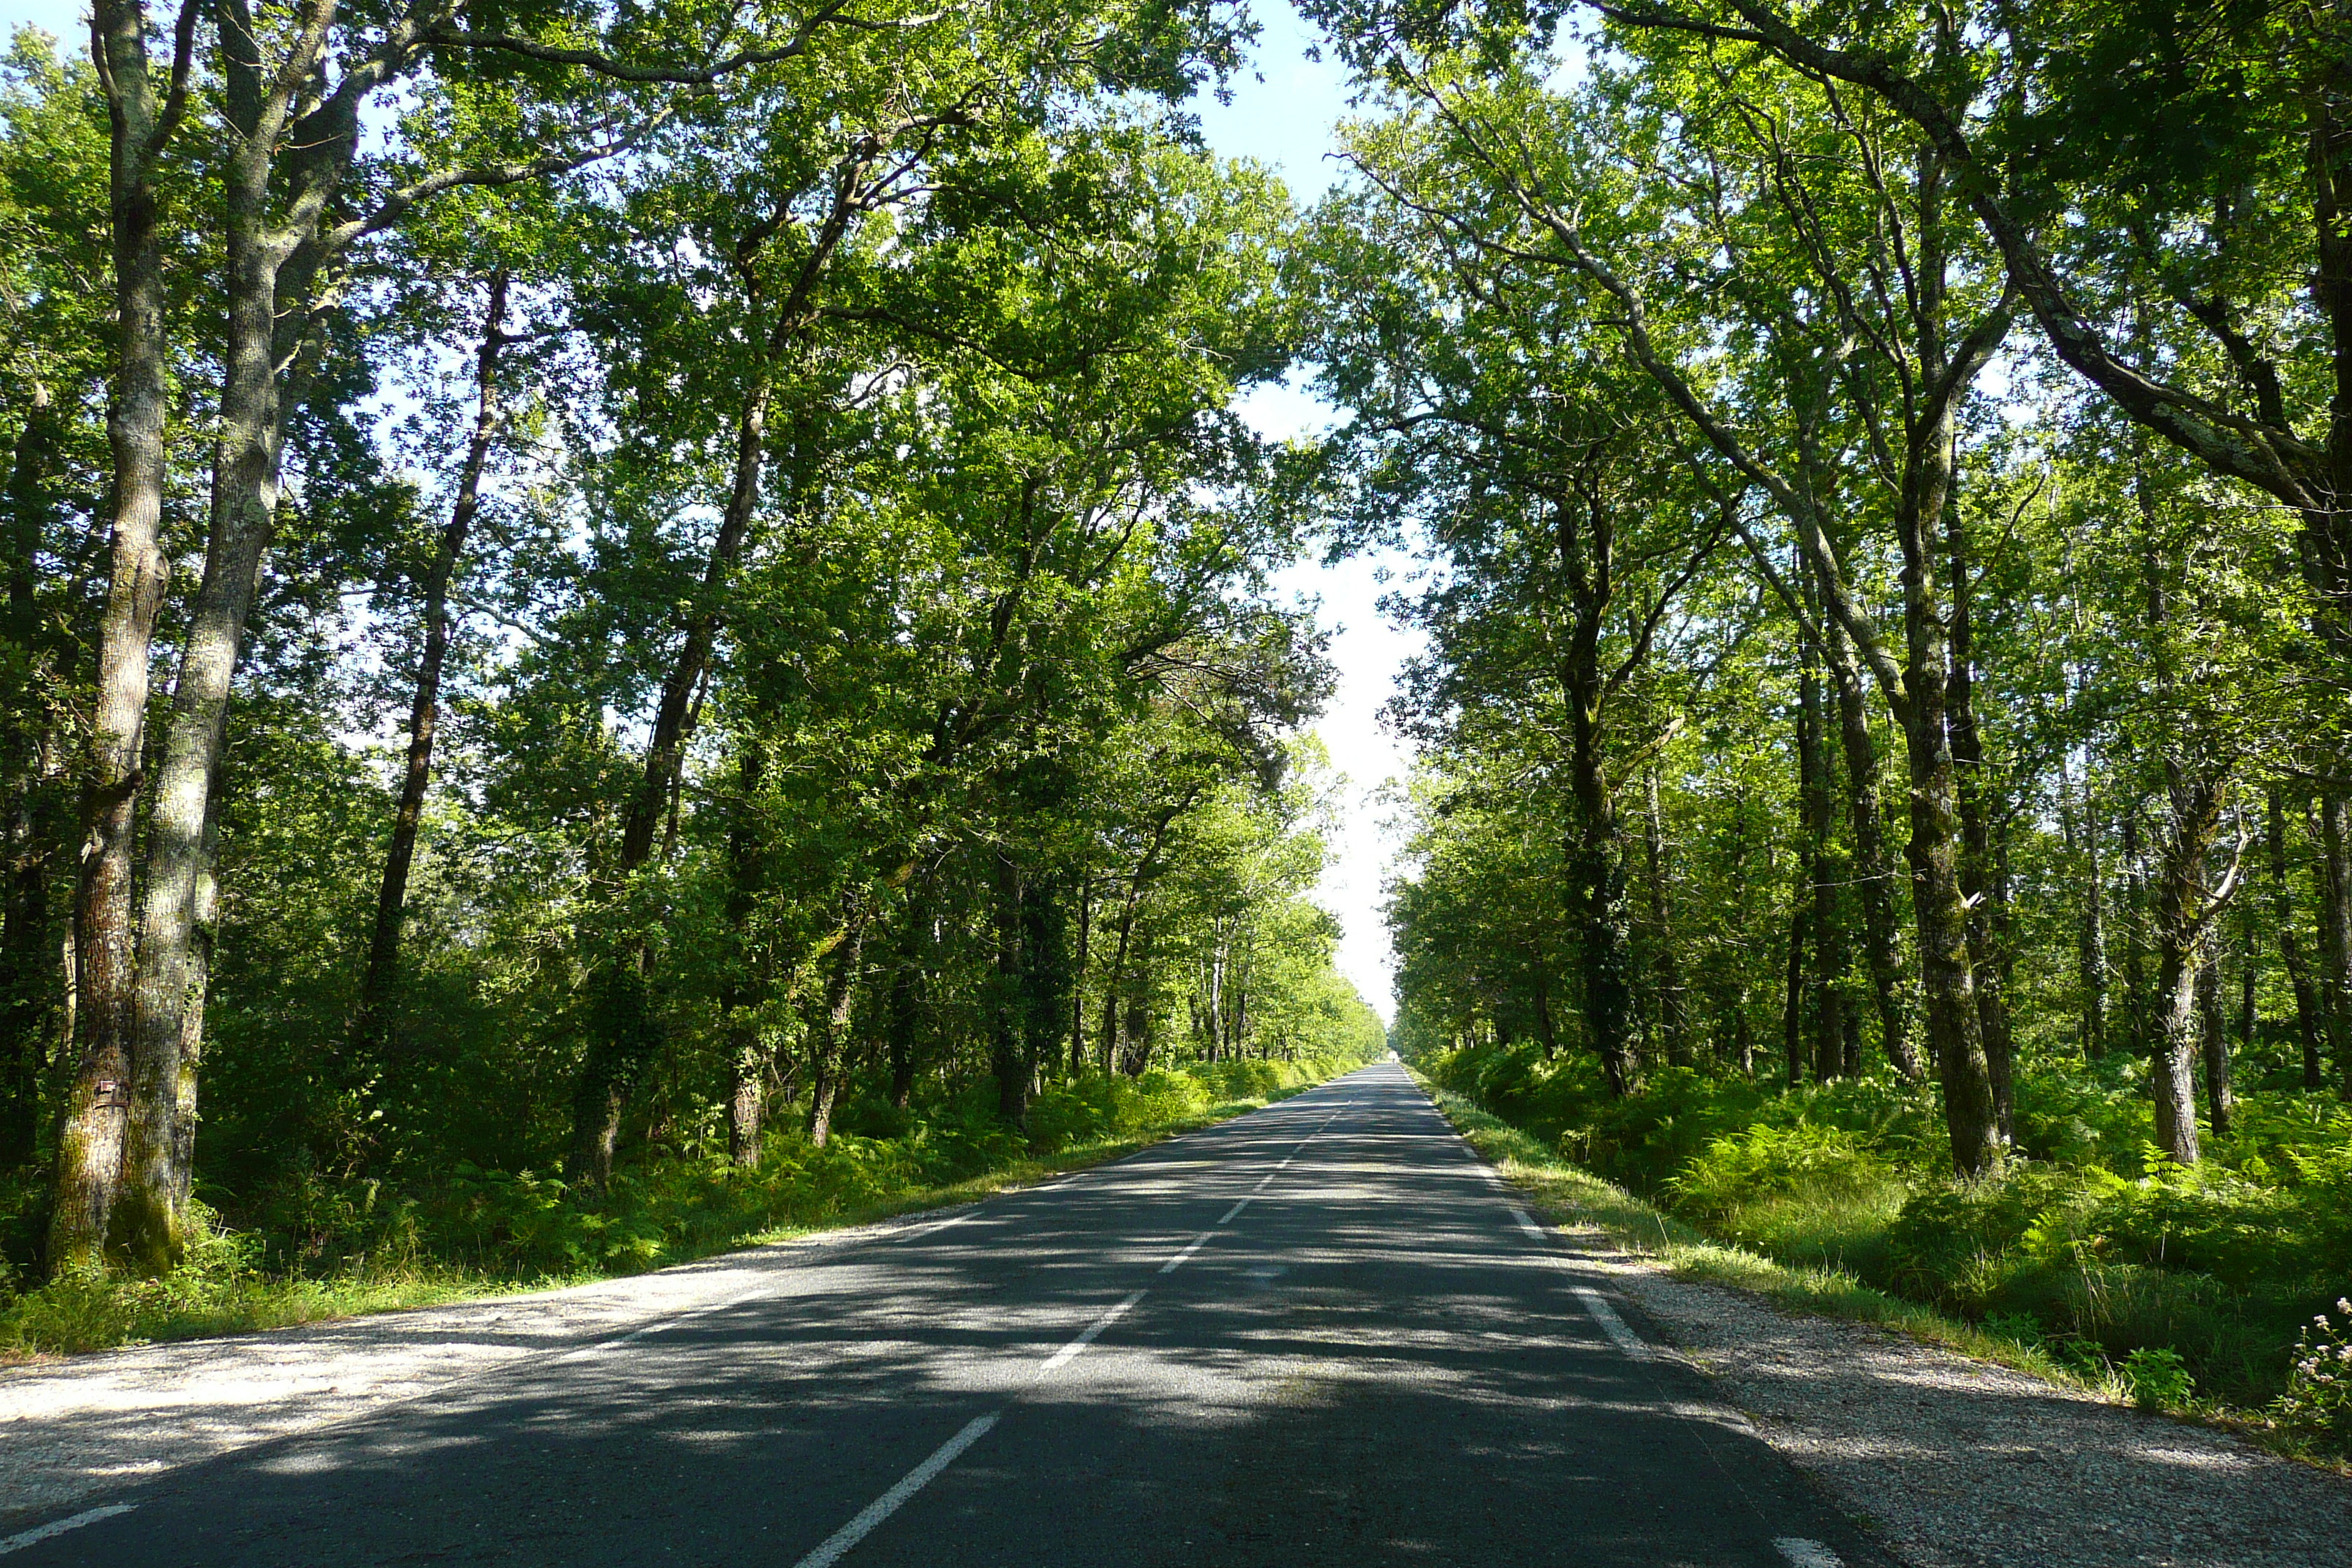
[{"x": 1282, "y": 113}]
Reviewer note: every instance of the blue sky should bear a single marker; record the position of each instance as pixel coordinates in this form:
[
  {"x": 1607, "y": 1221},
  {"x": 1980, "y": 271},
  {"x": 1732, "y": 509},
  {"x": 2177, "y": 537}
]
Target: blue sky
[{"x": 1282, "y": 113}]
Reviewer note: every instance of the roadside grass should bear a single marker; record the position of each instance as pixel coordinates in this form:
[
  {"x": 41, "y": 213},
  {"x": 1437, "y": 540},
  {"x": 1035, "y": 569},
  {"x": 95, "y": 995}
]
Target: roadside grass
[
  {"x": 479, "y": 1234},
  {"x": 1568, "y": 1193}
]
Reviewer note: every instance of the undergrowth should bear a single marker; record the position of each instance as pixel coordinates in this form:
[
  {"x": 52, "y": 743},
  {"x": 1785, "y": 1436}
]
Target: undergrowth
[
  {"x": 319, "y": 1249},
  {"x": 2200, "y": 1290}
]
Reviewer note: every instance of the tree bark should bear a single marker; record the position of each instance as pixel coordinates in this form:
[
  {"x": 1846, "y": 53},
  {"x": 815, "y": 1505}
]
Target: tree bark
[
  {"x": 2291, "y": 953},
  {"x": 833, "y": 1021},
  {"x": 2091, "y": 940},
  {"x": 379, "y": 983},
  {"x": 905, "y": 1019},
  {"x": 2213, "y": 1036},
  {"x": 1666, "y": 964},
  {"x": 1793, "y": 1003},
  {"x": 1874, "y": 870},
  {"x": 92, "y": 1129},
  {"x": 2336, "y": 930},
  {"x": 28, "y": 937},
  {"x": 750, "y": 1064},
  {"x": 2183, "y": 915},
  {"x": 2136, "y": 1009},
  {"x": 1828, "y": 931},
  {"x": 1980, "y": 862}
]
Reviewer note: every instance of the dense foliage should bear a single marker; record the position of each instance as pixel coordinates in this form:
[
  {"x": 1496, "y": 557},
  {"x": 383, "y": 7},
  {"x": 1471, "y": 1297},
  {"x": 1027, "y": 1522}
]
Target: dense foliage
[
  {"x": 1841, "y": 433},
  {"x": 636, "y": 626}
]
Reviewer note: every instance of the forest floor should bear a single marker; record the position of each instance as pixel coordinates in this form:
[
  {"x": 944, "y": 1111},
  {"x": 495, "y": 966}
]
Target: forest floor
[{"x": 1951, "y": 1460}]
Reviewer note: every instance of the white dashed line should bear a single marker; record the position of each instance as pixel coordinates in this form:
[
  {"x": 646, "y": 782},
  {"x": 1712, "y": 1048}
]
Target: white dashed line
[
  {"x": 34, "y": 1537},
  {"x": 889, "y": 1503},
  {"x": 1172, "y": 1264},
  {"x": 1611, "y": 1324},
  {"x": 1087, "y": 1335},
  {"x": 1803, "y": 1554},
  {"x": 1235, "y": 1210},
  {"x": 1528, "y": 1225}
]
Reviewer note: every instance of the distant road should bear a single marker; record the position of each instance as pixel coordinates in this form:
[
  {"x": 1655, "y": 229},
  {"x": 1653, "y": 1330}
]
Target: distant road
[{"x": 1319, "y": 1334}]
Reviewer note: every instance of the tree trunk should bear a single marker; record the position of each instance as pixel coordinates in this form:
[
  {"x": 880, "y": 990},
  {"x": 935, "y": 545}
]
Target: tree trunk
[
  {"x": 2290, "y": 955},
  {"x": 2183, "y": 914},
  {"x": 2172, "y": 1070},
  {"x": 1980, "y": 875},
  {"x": 98, "y": 1103},
  {"x": 1078, "y": 975},
  {"x": 28, "y": 775},
  {"x": 2335, "y": 931},
  {"x": 1135, "y": 1042},
  {"x": 1005, "y": 1032},
  {"x": 2136, "y": 1034},
  {"x": 1044, "y": 974},
  {"x": 379, "y": 986},
  {"x": 1940, "y": 910},
  {"x": 2091, "y": 940},
  {"x": 1874, "y": 870},
  {"x": 1666, "y": 966},
  {"x": 1547, "y": 1030},
  {"x": 750, "y": 1065},
  {"x": 1792, "y": 1004},
  {"x": 2213, "y": 1036},
  {"x": 1608, "y": 947},
  {"x": 1828, "y": 932},
  {"x": 833, "y": 1021},
  {"x": 905, "y": 1005}
]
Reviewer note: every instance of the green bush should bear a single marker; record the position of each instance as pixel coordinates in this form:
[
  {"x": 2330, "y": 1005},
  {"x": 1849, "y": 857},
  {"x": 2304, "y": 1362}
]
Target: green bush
[{"x": 2089, "y": 1243}]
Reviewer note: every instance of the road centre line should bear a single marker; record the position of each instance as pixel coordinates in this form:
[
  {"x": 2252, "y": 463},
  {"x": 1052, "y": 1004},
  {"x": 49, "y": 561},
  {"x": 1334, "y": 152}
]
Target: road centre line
[
  {"x": 1235, "y": 1210},
  {"x": 836, "y": 1545},
  {"x": 1614, "y": 1327},
  {"x": 889, "y": 1503},
  {"x": 1087, "y": 1335},
  {"x": 1803, "y": 1554},
  {"x": 40, "y": 1533},
  {"x": 1176, "y": 1262}
]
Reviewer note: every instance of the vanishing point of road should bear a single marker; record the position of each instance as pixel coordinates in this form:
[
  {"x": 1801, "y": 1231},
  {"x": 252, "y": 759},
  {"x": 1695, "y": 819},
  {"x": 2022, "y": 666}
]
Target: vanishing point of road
[{"x": 1323, "y": 1333}]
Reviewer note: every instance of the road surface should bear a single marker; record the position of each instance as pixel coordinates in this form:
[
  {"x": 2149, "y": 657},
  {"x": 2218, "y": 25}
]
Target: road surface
[{"x": 1323, "y": 1333}]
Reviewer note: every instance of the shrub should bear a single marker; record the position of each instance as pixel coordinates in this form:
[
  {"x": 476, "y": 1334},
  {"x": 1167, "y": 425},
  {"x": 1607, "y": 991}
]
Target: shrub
[
  {"x": 2158, "y": 1376},
  {"x": 1770, "y": 1162},
  {"x": 2318, "y": 1396}
]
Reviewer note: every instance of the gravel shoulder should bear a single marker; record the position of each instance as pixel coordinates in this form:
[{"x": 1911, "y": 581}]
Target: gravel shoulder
[{"x": 1956, "y": 1463}]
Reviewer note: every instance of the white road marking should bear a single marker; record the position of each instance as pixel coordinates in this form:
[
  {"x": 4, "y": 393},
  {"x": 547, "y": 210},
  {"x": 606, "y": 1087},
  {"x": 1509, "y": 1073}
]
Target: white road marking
[
  {"x": 1805, "y": 1554},
  {"x": 1611, "y": 1324},
  {"x": 1528, "y": 1225},
  {"x": 920, "y": 1231},
  {"x": 1174, "y": 1263},
  {"x": 34, "y": 1537},
  {"x": 1087, "y": 1335},
  {"x": 889, "y": 1503},
  {"x": 1261, "y": 1180},
  {"x": 1235, "y": 1210}
]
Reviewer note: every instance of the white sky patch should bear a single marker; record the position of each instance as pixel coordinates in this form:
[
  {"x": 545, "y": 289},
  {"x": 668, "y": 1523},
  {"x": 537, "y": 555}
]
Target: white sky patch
[{"x": 1287, "y": 121}]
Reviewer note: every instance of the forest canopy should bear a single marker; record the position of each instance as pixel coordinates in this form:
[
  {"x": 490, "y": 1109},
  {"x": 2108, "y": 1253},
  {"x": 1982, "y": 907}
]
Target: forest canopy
[
  {"x": 603, "y": 601},
  {"x": 642, "y": 614}
]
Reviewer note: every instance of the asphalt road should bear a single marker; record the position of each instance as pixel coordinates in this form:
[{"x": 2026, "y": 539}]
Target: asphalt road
[{"x": 1319, "y": 1334}]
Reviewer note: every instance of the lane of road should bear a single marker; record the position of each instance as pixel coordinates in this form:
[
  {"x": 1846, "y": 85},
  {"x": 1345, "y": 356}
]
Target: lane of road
[{"x": 1321, "y": 1334}]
